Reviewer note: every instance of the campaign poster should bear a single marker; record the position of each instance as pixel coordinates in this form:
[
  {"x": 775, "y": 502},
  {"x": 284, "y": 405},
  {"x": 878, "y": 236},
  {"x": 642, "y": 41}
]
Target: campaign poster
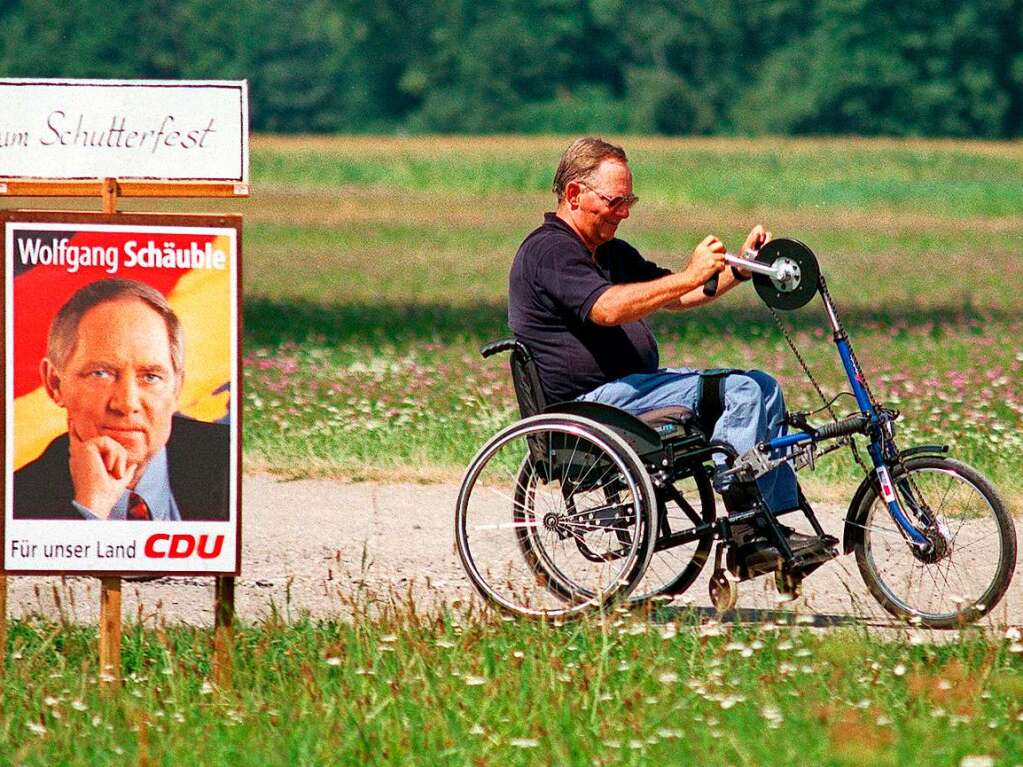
[{"x": 122, "y": 386}]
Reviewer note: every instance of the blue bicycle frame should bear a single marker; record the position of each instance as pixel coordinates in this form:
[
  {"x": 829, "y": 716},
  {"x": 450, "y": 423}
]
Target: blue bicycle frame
[{"x": 874, "y": 422}]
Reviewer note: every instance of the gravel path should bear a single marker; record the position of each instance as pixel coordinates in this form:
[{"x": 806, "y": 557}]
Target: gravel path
[{"x": 310, "y": 546}]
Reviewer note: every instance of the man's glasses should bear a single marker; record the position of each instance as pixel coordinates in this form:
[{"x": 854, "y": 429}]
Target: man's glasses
[{"x": 614, "y": 203}]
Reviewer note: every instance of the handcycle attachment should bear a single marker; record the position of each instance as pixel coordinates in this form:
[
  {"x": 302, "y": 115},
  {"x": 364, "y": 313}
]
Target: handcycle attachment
[{"x": 785, "y": 273}]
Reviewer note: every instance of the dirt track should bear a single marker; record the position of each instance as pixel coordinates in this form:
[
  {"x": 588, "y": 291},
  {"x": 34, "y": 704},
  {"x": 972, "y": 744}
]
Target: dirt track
[{"x": 307, "y": 543}]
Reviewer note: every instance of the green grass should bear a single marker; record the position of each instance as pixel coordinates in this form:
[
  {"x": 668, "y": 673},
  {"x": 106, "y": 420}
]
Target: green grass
[
  {"x": 407, "y": 688},
  {"x": 961, "y": 180}
]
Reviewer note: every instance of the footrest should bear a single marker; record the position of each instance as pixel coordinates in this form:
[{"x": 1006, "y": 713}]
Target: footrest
[
  {"x": 800, "y": 542},
  {"x": 812, "y": 557},
  {"x": 807, "y": 553}
]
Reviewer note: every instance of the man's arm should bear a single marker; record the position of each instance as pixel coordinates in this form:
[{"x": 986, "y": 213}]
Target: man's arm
[
  {"x": 633, "y": 301},
  {"x": 696, "y": 297},
  {"x": 637, "y": 300}
]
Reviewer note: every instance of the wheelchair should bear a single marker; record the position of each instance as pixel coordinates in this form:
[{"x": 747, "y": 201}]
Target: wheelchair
[{"x": 580, "y": 505}]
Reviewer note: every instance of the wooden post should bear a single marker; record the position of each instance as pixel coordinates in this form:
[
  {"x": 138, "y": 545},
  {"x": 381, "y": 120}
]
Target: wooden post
[
  {"x": 110, "y": 195},
  {"x": 223, "y": 630},
  {"x": 110, "y": 632},
  {"x": 3, "y": 624},
  {"x": 110, "y": 588}
]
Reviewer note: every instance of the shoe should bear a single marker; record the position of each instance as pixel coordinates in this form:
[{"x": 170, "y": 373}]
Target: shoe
[
  {"x": 744, "y": 533},
  {"x": 740, "y": 496}
]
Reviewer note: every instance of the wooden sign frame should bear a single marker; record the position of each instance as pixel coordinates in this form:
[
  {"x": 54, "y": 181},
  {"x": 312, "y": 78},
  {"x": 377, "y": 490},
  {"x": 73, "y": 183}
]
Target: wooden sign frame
[
  {"x": 110, "y": 619},
  {"x": 41, "y": 187}
]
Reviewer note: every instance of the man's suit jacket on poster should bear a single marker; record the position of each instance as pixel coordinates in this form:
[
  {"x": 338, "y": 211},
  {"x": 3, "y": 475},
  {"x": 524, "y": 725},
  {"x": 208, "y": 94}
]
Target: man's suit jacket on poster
[{"x": 198, "y": 462}]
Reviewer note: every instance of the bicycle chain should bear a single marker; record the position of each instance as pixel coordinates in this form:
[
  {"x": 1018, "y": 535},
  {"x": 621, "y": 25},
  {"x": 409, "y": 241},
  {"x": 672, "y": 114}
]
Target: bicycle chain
[
  {"x": 898, "y": 463},
  {"x": 823, "y": 287},
  {"x": 802, "y": 363}
]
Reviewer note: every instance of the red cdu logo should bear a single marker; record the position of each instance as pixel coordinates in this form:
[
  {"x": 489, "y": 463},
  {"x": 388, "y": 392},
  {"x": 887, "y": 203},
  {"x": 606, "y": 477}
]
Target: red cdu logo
[{"x": 182, "y": 545}]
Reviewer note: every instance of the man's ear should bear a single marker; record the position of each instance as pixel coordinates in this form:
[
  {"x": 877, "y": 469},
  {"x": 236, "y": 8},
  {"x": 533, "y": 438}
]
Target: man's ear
[
  {"x": 51, "y": 380},
  {"x": 572, "y": 190}
]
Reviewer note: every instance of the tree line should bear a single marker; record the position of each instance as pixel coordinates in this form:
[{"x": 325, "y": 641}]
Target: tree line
[{"x": 745, "y": 67}]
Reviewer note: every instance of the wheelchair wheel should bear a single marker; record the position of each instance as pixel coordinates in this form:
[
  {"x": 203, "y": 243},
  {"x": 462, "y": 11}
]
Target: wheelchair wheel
[
  {"x": 673, "y": 569},
  {"x": 554, "y": 517},
  {"x": 966, "y": 569}
]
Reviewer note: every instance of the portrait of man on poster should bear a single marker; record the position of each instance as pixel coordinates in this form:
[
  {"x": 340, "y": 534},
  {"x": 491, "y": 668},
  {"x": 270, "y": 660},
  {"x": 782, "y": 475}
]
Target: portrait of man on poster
[{"x": 115, "y": 363}]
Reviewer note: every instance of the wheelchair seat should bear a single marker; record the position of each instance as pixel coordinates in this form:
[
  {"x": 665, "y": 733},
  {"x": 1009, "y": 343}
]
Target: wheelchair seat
[
  {"x": 646, "y": 433},
  {"x": 677, "y": 416}
]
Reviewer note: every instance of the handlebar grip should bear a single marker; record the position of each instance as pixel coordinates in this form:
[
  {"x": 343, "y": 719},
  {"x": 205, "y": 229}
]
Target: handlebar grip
[
  {"x": 710, "y": 287},
  {"x": 496, "y": 347},
  {"x": 854, "y": 424}
]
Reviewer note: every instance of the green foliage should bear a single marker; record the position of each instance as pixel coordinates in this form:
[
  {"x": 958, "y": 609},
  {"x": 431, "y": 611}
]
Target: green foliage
[
  {"x": 952, "y": 68},
  {"x": 867, "y": 66}
]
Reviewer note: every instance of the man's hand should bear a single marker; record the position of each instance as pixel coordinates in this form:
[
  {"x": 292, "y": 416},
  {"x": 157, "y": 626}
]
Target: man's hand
[
  {"x": 707, "y": 260},
  {"x": 100, "y": 472},
  {"x": 755, "y": 240}
]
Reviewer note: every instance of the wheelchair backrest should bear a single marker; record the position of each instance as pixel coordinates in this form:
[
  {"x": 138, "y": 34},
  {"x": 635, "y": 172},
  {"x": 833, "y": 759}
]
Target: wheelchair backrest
[{"x": 525, "y": 376}]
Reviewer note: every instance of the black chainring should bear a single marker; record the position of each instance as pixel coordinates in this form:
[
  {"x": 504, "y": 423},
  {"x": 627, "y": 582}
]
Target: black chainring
[{"x": 788, "y": 297}]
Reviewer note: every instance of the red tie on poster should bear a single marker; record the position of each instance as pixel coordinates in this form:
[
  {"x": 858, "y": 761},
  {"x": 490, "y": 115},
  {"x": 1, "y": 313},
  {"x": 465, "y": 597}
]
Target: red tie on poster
[{"x": 137, "y": 507}]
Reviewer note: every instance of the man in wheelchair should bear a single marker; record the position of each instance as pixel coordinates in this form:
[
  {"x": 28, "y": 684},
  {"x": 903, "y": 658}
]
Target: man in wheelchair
[{"x": 578, "y": 299}]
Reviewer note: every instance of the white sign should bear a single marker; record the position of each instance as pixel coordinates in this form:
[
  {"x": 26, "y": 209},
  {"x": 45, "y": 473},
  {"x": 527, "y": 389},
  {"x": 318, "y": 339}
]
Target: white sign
[{"x": 127, "y": 129}]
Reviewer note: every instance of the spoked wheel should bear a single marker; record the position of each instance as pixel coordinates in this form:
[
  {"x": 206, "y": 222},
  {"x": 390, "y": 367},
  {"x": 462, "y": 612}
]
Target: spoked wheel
[
  {"x": 555, "y": 516},
  {"x": 674, "y": 567},
  {"x": 966, "y": 567}
]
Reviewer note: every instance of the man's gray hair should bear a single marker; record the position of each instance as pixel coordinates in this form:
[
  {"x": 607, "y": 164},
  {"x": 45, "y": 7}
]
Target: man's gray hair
[
  {"x": 582, "y": 159},
  {"x": 60, "y": 344}
]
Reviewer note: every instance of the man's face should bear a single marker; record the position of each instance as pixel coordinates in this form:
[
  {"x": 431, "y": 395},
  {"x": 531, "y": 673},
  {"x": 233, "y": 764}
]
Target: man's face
[
  {"x": 120, "y": 381},
  {"x": 595, "y": 220}
]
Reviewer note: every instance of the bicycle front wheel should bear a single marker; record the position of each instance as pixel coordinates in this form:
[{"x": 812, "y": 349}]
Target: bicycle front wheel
[{"x": 966, "y": 568}]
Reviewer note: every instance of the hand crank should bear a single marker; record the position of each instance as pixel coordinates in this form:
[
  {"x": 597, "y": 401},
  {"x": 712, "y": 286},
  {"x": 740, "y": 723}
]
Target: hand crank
[{"x": 784, "y": 272}]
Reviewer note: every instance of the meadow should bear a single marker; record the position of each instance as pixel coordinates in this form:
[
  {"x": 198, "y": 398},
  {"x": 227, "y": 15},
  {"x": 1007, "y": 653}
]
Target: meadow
[
  {"x": 376, "y": 268},
  {"x": 454, "y": 689}
]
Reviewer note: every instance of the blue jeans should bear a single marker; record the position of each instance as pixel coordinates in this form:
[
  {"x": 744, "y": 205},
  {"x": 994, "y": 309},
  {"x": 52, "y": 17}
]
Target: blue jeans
[{"x": 754, "y": 412}]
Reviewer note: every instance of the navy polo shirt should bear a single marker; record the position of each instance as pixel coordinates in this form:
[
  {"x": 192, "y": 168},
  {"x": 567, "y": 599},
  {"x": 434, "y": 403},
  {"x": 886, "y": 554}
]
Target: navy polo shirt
[{"x": 553, "y": 284}]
